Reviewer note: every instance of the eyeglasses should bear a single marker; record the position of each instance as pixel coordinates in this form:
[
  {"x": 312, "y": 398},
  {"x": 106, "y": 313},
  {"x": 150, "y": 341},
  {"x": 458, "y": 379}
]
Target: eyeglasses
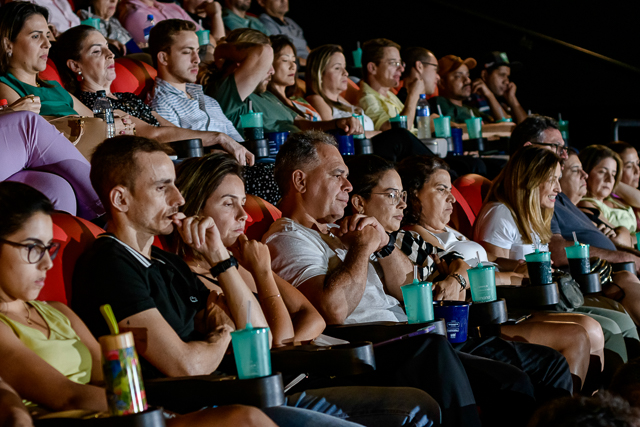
[
  {"x": 35, "y": 251},
  {"x": 395, "y": 196},
  {"x": 396, "y": 64},
  {"x": 436, "y": 66},
  {"x": 558, "y": 148}
]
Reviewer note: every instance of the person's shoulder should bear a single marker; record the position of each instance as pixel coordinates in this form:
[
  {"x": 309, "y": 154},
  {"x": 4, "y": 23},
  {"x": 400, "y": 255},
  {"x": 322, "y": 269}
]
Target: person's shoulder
[{"x": 285, "y": 227}]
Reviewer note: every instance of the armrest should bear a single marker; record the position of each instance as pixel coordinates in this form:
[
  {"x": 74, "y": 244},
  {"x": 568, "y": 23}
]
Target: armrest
[
  {"x": 149, "y": 418},
  {"x": 381, "y": 331},
  {"x": 335, "y": 360},
  {"x": 529, "y": 296},
  {"x": 630, "y": 266},
  {"x": 188, "y": 394}
]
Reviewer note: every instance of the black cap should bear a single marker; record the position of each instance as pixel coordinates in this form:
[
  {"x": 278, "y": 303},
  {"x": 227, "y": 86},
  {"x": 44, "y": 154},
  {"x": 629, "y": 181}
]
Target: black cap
[{"x": 496, "y": 59}]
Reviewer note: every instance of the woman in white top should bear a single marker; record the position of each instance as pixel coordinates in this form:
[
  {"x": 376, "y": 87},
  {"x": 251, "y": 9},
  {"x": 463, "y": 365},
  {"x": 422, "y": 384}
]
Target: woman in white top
[
  {"x": 429, "y": 205},
  {"x": 327, "y": 77}
]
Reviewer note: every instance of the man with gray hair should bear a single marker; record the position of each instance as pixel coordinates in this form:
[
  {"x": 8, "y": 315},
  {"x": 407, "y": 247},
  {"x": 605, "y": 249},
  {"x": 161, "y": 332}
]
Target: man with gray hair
[{"x": 538, "y": 130}]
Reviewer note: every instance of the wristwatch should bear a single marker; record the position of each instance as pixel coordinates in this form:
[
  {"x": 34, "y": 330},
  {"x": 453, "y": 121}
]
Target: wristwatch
[
  {"x": 386, "y": 251},
  {"x": 223, "y": 266},
  {"x": 460, "y": 279}
]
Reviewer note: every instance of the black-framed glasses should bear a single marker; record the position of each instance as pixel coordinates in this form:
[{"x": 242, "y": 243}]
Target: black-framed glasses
[
  {"x": 35, "y": 251},
  {"x": 436, "y": 66},
  {"x": 396, "y": 64},
  {"x": 395, "y": 196},
  {"x": 558, "y": 148}
]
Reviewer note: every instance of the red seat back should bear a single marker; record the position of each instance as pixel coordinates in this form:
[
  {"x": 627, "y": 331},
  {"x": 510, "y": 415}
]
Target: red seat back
[
  {"x": 74, "y": 235},
  {"x": 469, "y": 191},
  {"x": 51, "y": 72},
  {"x": 261, "y": 215},
  {"x": 134, "y": 76},
  {"x": 350, "y": 94}
]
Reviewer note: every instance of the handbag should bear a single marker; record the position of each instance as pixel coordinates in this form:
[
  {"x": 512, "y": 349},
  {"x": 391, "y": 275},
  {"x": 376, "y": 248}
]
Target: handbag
[
  {"x": 85, "y": 133},
  {"x": 570, "y": 295}
]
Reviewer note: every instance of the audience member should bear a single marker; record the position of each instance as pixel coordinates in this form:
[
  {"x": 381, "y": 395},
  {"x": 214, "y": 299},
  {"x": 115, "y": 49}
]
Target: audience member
[
  {"x": 234, "y": 16},
  {"x": 421, "y": 64},
  {"x": 133, "y": 14},
  {"x": 110, "y": 27},
  {"x": 538, "y": 130},
  {"x": 627, "y": 188},
  {"x": 82, "y": 51},
  {"x": 244, "y": 66},
  {"x": 209, "y": 12},
  {"x": 326, "y": 78},
  {"x": 275, "y": 22},
  {"x": 48, "y": 355},
  {"x": 332, "y": 266},
  {"x": 382, "y": 68},
  {"x": 284, "y": 82},
  {"x": 61, "y": 17},
  {"x": 604, "y": 167},
  {"x": 603, "y": 409},
  {"x": 24, "y": 29},
  {"x": 455, "y": 88},
  {"x": 35, "y": 153},
  {"x": 187, "y": 327},
  {"x": 495, "y": 73}
]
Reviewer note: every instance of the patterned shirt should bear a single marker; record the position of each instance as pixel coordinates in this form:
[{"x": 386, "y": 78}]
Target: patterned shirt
[
  {"x": 201, "y": 112},
  {"x": 127, "y": 102}
]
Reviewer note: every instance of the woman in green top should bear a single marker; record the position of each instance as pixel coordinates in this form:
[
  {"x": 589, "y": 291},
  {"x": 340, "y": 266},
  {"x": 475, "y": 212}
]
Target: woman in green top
[
  {"x": 23, "y": 54},
  {"x": 48, "y": 355}
]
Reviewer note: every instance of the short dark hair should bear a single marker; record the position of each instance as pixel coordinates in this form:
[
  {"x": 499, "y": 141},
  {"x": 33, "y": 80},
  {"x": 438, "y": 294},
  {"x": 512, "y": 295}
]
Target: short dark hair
[
  {"x": 114, "y": 163},
  {"x": 365, "y": 172},
  {"x": 69, "y": 46},
  {"x": 413, "y": 54},
  {"x": 603, "y": 409},
  {"x": 161, "y": 37},
  {"x": 280, "y": 41},
  {"x": 19, "y": 203},
  {"x": 530, "y": 130},
  {"x": 197, "y": 178},
  {"x": 415, "y": 172},
  {"x": 373, "y": 51},
  {"x": 299, "y": 152}
]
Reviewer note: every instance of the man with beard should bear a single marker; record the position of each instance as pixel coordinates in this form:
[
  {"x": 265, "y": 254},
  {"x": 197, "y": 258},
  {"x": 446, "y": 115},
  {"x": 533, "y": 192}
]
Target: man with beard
[
  {"x": 234, "y": 15},
  {"x": 496, "y": 70},
  {"x": 243, "y": 69},
  {"x": 455, "y": 88},
  {"x": 173, "y": 44},
  {"x": 382, "y": 68}
]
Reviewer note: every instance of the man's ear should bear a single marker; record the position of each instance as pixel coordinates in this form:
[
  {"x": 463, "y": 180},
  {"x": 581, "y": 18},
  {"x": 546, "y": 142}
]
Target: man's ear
[
  {"x": 299, "y": 181},
  {"x": 358, "y": 203},
  {"x": 119, "y": 198},
  {"x": 73, "y": 66},
  {"x": 163, "y": 58},
  {"x": 371, "y": 68},
  {"x": 526, "y": 144},
  {"x": 261, "y": 3},
  {"x": 419, "y": 66},
  {"x": 484, "y": 75}
]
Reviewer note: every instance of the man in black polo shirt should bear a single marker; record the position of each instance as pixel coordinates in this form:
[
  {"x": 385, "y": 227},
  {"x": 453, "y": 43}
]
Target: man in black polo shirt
[{"x": 179, "y": 327}]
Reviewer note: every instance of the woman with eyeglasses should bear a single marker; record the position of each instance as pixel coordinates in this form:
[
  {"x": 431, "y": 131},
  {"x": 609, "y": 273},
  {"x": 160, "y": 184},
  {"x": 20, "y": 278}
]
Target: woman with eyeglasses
[
  {"x": 604, "y": 167},
  {"x": 48, "y": 355}
]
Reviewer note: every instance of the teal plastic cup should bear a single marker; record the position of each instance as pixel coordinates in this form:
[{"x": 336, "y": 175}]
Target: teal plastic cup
[
  {"x": 442, "y": 126},
  {"x": 398, "y": 122},
  {"x": 361, "y": 120},
  {"x": 578, "y": 257},
  {"x": 251, "y": 352},
  {"x": 474, "y": 127},
  {"x": 563, "y": 126},
  {"x": 482, "y": 281},
  {"x": 252, "y": 126},
  {"x": 203, "y": 37},
  {"x": 357, "y": 58},
  {"x": 539, "y": 267},
  {"x": 418, "y": 301},
  {"x": 638, "y": 241},
  {"x": 92, "y": 22}
]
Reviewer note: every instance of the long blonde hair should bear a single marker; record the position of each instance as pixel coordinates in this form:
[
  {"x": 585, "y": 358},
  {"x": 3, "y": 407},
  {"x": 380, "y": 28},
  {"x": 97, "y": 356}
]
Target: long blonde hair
[{"x": 518, "y": 187}]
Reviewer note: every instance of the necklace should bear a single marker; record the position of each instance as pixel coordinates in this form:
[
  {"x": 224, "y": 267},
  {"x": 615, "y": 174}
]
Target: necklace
[{"x": 29, "y": 322}]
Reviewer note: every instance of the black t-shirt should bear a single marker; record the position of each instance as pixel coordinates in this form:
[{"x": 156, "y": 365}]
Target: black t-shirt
[{"x": 111, "y": 272}]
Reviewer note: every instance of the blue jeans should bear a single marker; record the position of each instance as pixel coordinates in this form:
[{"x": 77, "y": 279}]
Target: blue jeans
[{"x": 368, "y": 406}]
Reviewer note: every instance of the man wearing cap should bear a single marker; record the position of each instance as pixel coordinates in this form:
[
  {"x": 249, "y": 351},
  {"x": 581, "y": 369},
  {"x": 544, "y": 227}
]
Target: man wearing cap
[
  {"x": 496, "y": 70},
  {"x": 456, "y": 87}
]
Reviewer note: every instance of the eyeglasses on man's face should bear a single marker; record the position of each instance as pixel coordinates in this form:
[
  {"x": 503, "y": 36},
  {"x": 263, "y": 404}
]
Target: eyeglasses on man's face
[
  {"x": 394, "y": 197},
  {"x": 559, "y": 149},
  {"x": 396, "y": 64},
  {"x": 35, "y": 251}
]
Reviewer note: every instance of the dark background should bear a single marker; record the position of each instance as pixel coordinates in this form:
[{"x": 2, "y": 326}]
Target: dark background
[{"x": 589, "y": 92}]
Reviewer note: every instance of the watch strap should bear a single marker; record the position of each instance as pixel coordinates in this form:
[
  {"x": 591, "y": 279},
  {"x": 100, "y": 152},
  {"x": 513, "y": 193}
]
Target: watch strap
[{"x": 223, "y": 266}]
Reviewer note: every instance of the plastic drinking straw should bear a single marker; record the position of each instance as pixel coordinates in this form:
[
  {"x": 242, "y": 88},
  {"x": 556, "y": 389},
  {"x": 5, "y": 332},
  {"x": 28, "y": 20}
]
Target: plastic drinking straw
[
  {"x": 575, "y": 239},
  {"x": 479, "y": 262},
  {"x": 439, "y": 111},
  {"x": 249, "y": 325},
  {"x": 415, "y": 273},
  {"x": 536, "y": 242},
  {"x": 89, "y": 9},
  {"x": 250, "y": 106},
  {"x": 472, "y": 115},
  {"x": 107, "y": 313},
  {"x": 358, "y": 43},
  {"x": 560, "y": 116},
  {"x": 528, "y": 112},
  {"x": 200, "y": 22}
]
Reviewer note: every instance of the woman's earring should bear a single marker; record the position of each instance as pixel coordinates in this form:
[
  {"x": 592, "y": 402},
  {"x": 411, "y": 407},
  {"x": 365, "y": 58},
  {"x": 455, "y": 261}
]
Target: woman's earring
[
  {"x": 80, "y": 78},
  {"x": 10, "y": 54}
]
